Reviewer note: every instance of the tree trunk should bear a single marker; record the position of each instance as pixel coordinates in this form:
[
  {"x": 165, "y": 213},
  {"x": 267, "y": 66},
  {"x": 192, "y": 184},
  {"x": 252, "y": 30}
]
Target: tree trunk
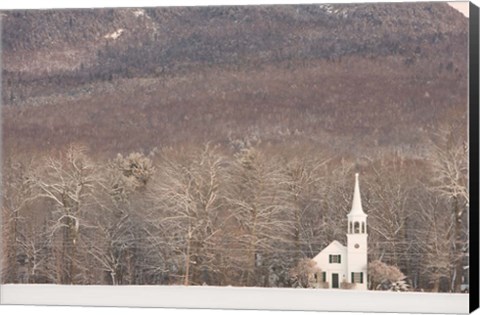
[
  {"x": 251, "y": 281},
  {"x": 73, "y": 253},
  {"x": 64, "y": 261},
  {"x": 252, "y": 264},
  {"x": 112, "y": 276},
  {"x": 13, "y": 255},
  {"x": 187, "y": 261},
  {"x": 436, "y": 285},
  {"x": 69, "y": 252},
  {"x": 458, "y": 246},
  {"x": 298, "y": 225}
]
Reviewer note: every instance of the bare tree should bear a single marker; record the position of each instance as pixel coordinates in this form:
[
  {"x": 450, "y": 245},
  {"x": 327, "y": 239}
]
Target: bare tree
[
  {"x": 120, "y": 238},
  {"x": 449, "y": 163},
  {"x": 258, "y": 197},
  {"x": 305, "y": 178},
  {"x": 67, "y": 183},
  {"x": 18, "y": 220},
  {"x": 188, "y": 212},
  {"x": 435, "y": 240},
  {"x": 388, "y": 191},
  {"x": 330, "y": 218}
]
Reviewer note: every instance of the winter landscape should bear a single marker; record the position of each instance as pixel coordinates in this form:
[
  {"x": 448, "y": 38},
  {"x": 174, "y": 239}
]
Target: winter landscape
[{"x": 219, "y": 146}]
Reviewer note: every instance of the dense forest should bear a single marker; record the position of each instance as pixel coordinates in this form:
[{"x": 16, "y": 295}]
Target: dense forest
[
  {"x": 240, "y": 215},
  {"x": 218, "y": 145}
]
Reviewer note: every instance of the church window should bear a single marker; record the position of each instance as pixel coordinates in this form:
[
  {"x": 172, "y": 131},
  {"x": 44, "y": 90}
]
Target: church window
[
  {"x": 363, "y": 227},
  {"x": 335, "y": 259},
  {"x": 357, "y": 277}
]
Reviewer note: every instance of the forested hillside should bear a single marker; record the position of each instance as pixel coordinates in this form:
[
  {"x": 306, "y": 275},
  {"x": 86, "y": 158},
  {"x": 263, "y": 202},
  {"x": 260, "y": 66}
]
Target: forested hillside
[
  {"x": 380, "y": 75},
  {"x": 217, "y": 145}
]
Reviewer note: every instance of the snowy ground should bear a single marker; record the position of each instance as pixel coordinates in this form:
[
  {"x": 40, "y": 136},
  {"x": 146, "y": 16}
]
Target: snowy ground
[{"x": 235, "y": 298}]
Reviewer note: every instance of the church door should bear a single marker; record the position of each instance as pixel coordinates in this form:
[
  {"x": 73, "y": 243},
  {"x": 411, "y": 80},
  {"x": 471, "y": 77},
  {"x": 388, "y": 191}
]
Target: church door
[{"x": 335, "y": 280}]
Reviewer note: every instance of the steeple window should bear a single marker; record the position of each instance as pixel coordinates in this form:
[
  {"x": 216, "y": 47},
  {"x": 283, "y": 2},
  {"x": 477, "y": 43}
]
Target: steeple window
[{"x": 356, "y": 227}]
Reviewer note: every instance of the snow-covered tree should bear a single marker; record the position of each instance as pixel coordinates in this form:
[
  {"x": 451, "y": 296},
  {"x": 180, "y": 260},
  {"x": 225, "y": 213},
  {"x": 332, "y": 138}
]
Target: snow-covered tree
[
  {"x": 67, "y": 182},
  {"x": 449, "y": 163},
  {"x": 306, "y": 274},
  {"x": 383, "y": 276}
]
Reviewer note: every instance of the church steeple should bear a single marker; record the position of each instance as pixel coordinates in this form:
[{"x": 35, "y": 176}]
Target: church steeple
[
  {"x": 357, "y": 201},
  {"x": 357, "y": 219},
  {"x": 357, "y": 246}
]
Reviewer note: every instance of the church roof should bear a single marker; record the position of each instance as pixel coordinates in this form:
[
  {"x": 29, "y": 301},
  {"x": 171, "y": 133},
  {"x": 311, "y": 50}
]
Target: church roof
[
  {"x": 336, "y": 245},
  {"x": 357, "y": 200}
]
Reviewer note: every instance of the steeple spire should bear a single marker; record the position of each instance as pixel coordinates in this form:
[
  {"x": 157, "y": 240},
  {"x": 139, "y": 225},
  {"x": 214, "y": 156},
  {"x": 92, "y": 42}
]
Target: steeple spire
[{"x": 357, "y": 201}]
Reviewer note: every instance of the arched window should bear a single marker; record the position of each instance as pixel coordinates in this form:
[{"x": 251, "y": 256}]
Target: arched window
[
  {"x": 350, "y": 228},
  {"x": 363, "y": 227},
  {"x": 356, "y": 227}
]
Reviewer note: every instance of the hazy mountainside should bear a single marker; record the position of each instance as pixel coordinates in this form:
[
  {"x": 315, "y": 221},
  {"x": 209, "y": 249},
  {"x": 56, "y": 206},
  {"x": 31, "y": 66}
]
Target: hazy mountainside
[{"x": 374, "y": 75}]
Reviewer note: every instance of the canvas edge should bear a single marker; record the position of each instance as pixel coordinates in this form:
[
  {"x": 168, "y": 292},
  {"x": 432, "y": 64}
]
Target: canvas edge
[
  {"x": 474, "y": 151},
  {"x": 245, "y": 298},
  {"x": 1, "y": 161}
]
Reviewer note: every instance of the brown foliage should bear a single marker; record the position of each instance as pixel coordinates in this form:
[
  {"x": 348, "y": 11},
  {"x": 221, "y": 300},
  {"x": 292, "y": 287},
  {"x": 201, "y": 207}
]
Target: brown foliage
[
  {"x": 306, "y": 274},
  {"x": 380, "y": 272}
]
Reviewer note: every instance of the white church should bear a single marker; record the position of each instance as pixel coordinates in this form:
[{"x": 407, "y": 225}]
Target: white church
[{"x": 340, "y": 263}]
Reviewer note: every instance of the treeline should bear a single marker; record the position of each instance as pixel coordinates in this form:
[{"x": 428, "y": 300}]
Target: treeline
[{"x": 245, "y": 215}]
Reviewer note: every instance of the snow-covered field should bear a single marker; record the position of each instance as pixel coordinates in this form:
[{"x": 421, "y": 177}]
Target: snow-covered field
[{"x": 235, "y": 298}]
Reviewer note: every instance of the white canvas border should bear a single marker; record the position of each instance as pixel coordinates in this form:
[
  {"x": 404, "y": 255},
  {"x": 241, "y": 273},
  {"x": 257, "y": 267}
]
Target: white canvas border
[
  {"x": 236, "y": 298},
  {"x": 229, "y": 297}
]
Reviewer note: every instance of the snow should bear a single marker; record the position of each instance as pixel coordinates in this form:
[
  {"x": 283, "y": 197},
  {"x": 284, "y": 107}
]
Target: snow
[
  {"x": 139, "y": 13},
  {"x": 235, "y": 298},
  {"x": 115, "y": 34},
  {"x": 328, "y": 8}
]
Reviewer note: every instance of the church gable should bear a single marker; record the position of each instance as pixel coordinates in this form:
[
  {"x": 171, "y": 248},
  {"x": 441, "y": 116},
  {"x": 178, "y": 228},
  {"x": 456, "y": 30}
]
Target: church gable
[
  {"x": 333, "y": 255},
  {"x": 333, "y": 248}
]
